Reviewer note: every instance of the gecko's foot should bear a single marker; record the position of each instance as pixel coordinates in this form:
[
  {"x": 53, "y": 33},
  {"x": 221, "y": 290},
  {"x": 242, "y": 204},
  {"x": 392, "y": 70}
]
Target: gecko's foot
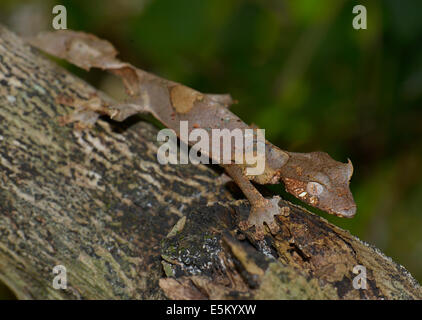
[
  {"x": 262, "y": 213},
  {"x": 85, "y": 114}
]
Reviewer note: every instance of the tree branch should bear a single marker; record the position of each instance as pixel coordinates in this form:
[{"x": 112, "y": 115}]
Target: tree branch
[{"x": 98, "y": 203}]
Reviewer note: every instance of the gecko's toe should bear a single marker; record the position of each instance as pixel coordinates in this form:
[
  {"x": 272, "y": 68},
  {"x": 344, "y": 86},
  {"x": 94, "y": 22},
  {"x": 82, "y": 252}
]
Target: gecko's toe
[{"x": 263, "y": 214}]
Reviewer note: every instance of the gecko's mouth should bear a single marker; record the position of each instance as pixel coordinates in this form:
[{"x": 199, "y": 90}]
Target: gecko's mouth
[{"x": 345, "y": 213}]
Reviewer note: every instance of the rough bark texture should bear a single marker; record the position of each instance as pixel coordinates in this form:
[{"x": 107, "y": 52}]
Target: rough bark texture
[{"x": 124, "y": 226}]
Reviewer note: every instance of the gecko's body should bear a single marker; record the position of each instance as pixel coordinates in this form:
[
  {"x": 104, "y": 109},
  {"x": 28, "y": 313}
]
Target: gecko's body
[{"x": 314, "y": 178}]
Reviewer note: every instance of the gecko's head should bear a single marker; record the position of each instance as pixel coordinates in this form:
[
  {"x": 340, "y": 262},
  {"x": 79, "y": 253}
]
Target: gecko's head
[{"x": 320, "y": 181}]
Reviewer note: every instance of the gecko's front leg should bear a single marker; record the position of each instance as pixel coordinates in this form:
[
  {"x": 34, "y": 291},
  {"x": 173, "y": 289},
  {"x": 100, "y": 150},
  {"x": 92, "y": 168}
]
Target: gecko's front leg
[{"x": 262, "y": 210}]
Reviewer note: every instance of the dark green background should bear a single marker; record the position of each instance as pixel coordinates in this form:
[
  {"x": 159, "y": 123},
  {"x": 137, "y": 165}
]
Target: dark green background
[{"x": 300, "y": 71}]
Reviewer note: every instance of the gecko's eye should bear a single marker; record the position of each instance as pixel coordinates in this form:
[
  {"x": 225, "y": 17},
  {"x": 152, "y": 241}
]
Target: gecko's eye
[{"x": 314, "y": 188}]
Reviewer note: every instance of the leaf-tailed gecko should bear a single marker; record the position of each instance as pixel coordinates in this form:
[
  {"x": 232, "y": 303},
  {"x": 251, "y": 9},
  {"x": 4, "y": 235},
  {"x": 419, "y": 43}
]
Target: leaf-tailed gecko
[{"x": 314, "y": 178}]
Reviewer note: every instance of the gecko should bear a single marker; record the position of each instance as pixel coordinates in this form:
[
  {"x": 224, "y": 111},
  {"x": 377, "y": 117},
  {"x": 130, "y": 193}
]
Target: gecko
[{"x": 315, "y": 178}]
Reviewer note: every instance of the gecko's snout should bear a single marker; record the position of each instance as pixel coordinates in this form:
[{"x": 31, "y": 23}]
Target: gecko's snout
[
  {"x": 347, "y": 212},
  {"x": 339, "y": 202}
]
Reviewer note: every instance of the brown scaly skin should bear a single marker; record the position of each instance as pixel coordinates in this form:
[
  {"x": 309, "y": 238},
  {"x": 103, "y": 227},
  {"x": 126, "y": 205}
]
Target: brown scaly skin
[{"x": 314, "y": 178}]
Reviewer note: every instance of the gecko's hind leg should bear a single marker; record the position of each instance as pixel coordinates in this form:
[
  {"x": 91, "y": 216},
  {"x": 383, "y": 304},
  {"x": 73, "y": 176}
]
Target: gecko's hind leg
[
  {"x": 87, "y": 111},
  {"x": 262, "y": 210}
]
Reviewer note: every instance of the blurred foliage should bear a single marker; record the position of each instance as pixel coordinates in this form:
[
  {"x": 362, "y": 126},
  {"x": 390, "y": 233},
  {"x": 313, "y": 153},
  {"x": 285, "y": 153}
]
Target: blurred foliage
[{"x": 299, "y": 70}]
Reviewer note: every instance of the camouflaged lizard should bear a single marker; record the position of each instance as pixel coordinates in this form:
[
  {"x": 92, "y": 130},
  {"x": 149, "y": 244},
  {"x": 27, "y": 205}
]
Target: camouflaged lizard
[{"x": 314, "y": 178}]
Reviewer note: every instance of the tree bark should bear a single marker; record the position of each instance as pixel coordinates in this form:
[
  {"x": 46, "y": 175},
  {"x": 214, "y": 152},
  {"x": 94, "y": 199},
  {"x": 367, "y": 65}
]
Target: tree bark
[{"x": 98, "y": 203}]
